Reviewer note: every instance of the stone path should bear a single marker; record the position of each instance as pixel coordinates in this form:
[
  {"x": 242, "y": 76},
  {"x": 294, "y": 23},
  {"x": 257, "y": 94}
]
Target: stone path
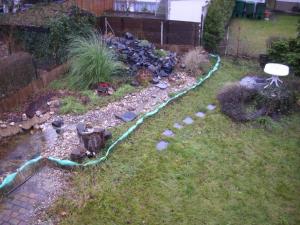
[
  {"x": 21, "y": 206},
  {"x": 163, "y": 145}
]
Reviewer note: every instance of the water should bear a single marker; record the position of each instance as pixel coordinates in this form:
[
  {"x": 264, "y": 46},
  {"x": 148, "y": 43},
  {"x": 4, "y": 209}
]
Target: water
[{"x": 14, "y": 151}]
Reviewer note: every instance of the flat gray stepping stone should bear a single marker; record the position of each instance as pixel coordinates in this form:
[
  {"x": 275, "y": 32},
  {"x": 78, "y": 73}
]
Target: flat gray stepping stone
[
  {"x": 168, "y": 133},
  {"x": 177, "y": 126},
  {"x": 188, "y": 120},
  {"x": 211, "y": 107},
  {"x": 200, "y": 114},
  {"x": 162, "y": 85},
  {"x": 127, "y": 117},
  {"x": 162, "y": 145}
]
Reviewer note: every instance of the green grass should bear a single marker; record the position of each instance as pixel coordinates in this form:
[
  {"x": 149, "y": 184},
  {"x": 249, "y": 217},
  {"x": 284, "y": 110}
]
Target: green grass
[
  {"x": 255, "y": 33},
  {"x": 214, "y": 171},
  {"x": 71, "y": 105}
]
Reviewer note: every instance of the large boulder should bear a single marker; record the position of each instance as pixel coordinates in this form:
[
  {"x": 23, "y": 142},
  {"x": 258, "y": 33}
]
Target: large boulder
[{"x": 92, "y": 139}]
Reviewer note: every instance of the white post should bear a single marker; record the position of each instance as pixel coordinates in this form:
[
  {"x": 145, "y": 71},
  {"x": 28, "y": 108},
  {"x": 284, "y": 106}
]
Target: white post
[
  {"x": 161, "y": 33},
  {"x": 105, "y": 21}
]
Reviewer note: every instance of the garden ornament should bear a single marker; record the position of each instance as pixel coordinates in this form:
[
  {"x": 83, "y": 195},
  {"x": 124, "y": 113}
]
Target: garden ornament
[{"x": 276, "y": 70}]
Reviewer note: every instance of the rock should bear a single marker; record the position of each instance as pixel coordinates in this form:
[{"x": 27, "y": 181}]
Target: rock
[
  {"x": 129, "y": 36},
  {"x": 81, "y": 127},
  {"x": 182, "y": 66},
  {"x": 24, "y": 117},
  {"x": 78, "y": 154},
  {"x": 49, "y": 103},
  {"x": 253, "y": 82},
  {"x": 127, "y": 117},
  {"x": 107, "y": 135},
  {"x": 168, "y": 133},
  {"x": 162, "y": 85},
  {"x": 59, "y": 130},
  {"x": 162, "y": 73},
  {"x": 155, "y": 80},
  {"x": 12, "y": 123},
  {"x": 162, "y": 145},
  {"x": 200, "y": 114},
  {"x": 93, "y": 140},
  {"x": 188, "y": 121},
  {"x": 38, "y": 113},
  {"x": 134, "y": 83},
  {"x": 130, "y": 108},
  {"x": 177, "y": 126},
  {"x": 58, "y": 123},
  {"x": 55, "y": 103},
  {"x": 3, "y": 126},
  {"x": 1, "y": 122},
  {"x": 36, "y": 127},
  {"x": 211, "y": 107},
  {"x": 89, "y": 125}
]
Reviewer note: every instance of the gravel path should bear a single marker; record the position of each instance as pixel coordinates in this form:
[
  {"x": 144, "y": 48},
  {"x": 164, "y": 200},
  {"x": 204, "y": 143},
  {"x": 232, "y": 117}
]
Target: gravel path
[{"x": 140, "y": 103}]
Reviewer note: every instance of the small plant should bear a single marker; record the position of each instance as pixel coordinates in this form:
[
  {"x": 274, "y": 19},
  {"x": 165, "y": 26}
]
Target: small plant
[
  {"x": 160, "y": 53},
  {"x": 91, "y": 61},
  {"x": 196, "y": 62},
  {"x": 124, "y": 90},
  {"x": 71, "y": 105}
]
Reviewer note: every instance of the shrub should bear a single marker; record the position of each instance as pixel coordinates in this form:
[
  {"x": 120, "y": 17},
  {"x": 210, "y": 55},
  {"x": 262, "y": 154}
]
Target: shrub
[
  {"x": 51, "y": 42},
  {"x": 218, "y": 16},
  {"x": 91, "y": 61},
  {"x": 286, "y": 52},
  {"x": 196, "y": 62}
]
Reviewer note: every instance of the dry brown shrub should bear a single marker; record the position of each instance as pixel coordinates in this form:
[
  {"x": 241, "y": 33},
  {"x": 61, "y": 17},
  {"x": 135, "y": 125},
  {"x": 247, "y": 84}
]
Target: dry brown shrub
[{"x": 196, "y": 61}]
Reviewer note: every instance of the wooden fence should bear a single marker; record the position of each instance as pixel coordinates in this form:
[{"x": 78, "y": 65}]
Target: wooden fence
[
  {"x": 159, "y": 31},
  {"x": 96, "y": 6}
]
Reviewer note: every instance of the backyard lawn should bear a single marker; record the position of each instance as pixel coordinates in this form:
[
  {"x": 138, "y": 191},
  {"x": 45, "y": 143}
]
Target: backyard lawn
[
  {"x": 213, "y": 172},
  {"x": 255, "y": 33}
]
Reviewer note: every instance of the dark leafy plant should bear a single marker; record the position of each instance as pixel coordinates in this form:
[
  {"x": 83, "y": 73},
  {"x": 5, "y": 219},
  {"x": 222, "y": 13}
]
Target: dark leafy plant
[{"x": 218, "y": 16}]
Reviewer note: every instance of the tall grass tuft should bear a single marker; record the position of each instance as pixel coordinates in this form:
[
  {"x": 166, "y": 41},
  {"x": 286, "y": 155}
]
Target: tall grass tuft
[{"x": 91, "y": 61}]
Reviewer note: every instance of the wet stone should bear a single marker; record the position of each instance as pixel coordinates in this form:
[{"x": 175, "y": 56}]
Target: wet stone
[
  {"x": 211, "y": 107},
  {"x": 58, "y": 123},
  {"x": 162, "y": 85},
  {"x": 162, "y": 145},
  {"x": 168, "y": 133},
  {"x": 200, "y": 114},
  {"x": 177, "y": 126},
  {"x": 188, "y": 121},
  {"x": 127, "y": 117}
]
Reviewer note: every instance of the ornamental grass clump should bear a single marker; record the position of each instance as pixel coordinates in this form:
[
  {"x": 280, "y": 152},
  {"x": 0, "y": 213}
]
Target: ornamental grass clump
[{"x": 91, "y": 62}]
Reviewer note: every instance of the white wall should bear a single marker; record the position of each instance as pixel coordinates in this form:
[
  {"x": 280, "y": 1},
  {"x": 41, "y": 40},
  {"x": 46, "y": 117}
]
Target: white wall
[{"x": 186, "y": 10}]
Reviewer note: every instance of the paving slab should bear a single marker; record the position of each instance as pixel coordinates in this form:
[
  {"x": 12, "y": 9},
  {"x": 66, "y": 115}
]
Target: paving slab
[
  {"x": 162, "y": 145},
  {"x": 188, "y": 121},
  {"x": 200, "y": 114},
  {"x": 211, "y": 107},
  {"x": 127, "y": 117},
  {"x": 168, "y": 133},
  {"x": 177, "y": 126}
]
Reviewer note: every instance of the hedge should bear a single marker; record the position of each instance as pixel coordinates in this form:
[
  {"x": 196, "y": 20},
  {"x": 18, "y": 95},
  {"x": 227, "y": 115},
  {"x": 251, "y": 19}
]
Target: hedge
[{"x": 218, "y": 16}]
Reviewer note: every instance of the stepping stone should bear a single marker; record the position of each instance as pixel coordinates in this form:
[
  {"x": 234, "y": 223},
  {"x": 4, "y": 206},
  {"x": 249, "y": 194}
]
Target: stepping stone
[
  {"x": 127, "y": 117},
  {"x": 162, "y": 145},
  {"x": 200, "y": 114},
  {"x": 211, "y": 107},
  {"x": 177, "y": 126},
  {"x": 168, "y": 133},
  {"x": 188, "y": 120},
  {"x": 162, "y": 85}
]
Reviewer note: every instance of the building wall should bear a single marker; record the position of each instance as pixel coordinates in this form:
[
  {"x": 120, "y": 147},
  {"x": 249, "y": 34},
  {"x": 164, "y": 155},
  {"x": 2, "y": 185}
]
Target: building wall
[
  {"x": 287, "y": 5},
  {"x": 96, "y": 6}
]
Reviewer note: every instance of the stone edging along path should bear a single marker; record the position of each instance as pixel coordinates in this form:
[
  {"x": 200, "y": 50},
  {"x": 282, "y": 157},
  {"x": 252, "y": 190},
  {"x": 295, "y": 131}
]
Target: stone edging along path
[{"x": 15, "y": 179}]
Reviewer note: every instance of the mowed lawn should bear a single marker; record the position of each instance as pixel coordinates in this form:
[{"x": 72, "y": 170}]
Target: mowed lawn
[
  {"x": 254, "y": 33},
  {"x": 214, "y": 171}
]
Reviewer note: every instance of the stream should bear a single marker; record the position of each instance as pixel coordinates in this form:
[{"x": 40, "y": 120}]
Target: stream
[{"x": 15, "y": 151}]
